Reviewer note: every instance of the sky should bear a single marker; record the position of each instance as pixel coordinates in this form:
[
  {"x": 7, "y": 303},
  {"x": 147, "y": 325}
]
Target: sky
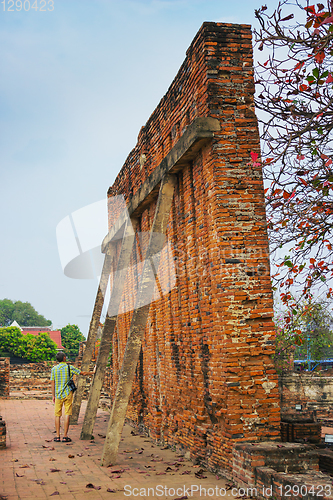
[{"x": 77, "y": 82}]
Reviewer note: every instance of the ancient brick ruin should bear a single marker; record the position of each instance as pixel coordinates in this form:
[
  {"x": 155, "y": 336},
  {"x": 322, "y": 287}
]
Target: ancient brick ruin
[
  {"x": 4, "y": 377},
  {"x": 311, "y": 391},
  {"x": 205, "y": 379},
  {"x": 205, "y": 382},
  {"x": 4, "y": 394}
]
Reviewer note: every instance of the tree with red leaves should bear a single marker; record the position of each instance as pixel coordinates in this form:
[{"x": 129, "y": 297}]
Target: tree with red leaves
[{"x": 295, "y": 102}]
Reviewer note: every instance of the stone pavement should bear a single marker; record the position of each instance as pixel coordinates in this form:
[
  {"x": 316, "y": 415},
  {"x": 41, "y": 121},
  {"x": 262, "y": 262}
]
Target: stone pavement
[{"x": 33, "y": 466}]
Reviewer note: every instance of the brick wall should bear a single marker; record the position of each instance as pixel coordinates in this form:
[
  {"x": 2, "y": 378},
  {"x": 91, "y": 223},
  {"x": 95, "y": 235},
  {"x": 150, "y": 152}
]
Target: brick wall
[
  {"x": 30, "y": 378},
  {"x": 326, "y": 460},
  {"x": 4, "y": 377},
  {"x": 300, "y": 432},
  {"x": 4, "y": 394},
  {"x": 205, "y": 378},
  {"x": 247, "y": 458},
  {"x": 2, "y": 433},
  {"x": 272, "y": 470},
  {"x": 314, "y": 391}
]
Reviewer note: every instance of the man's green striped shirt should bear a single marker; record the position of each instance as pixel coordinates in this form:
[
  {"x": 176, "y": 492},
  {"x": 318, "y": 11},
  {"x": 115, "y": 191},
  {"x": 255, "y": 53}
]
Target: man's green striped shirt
[{"x": 59, "y": 374}]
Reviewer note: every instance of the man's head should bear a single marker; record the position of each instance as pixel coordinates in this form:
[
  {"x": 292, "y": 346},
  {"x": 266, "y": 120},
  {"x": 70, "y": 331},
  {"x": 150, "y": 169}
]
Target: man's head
[{"x": 60, "y": 356}]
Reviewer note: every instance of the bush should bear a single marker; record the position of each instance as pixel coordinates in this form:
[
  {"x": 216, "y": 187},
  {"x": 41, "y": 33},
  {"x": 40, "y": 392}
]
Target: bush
[{"x": 34, "y": 348}]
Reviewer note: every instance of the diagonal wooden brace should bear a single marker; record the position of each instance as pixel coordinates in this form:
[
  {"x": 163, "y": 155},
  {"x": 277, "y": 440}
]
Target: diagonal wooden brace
[
  {"x": 139, "y": 320},
  {"x": 109, "y": 326},
  {"x": 93, "y": 328}
]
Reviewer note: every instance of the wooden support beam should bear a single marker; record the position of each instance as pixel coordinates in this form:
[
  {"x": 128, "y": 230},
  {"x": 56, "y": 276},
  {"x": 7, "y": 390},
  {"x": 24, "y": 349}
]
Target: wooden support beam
[
  {"x": 91, "y": 339},
  {"x": 109, "y": 325},
  {"x": 139, "y": 320},
  {"x": 197, "y": 134}
]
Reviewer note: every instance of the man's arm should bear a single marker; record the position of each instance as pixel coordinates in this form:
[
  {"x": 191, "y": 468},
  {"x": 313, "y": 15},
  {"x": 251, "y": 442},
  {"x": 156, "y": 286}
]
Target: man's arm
[
  {"x": 53, "y": 390},
  {"x": 85, "y": 374}
]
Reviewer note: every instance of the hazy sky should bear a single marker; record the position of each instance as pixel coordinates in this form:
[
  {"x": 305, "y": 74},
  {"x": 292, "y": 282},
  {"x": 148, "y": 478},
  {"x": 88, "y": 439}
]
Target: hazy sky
[{"x": 77, "y": 83}]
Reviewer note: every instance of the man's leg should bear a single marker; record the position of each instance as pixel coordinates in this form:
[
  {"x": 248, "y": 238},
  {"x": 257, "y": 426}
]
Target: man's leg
[
  {"x": 57, "y": 412},
  {"x": 66, "y": 425},
  {"x": 68, "y": 403},
  {"x": 57, "y": 426}
]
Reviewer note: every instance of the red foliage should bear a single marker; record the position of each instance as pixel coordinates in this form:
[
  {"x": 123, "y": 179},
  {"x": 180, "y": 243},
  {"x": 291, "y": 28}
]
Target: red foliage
[{"x": 295, "y": 110}]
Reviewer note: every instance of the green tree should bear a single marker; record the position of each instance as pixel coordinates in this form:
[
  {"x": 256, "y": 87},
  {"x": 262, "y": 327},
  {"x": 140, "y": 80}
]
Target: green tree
[
  {"x": 35, "y": 348},
  {"x": 70, "y": 339},
  {"x": 22, "y": 312},
  {"x": 316, "y": 324},
  {"x": 287, "y": 337},
  {"x": 304, "y": 331}
]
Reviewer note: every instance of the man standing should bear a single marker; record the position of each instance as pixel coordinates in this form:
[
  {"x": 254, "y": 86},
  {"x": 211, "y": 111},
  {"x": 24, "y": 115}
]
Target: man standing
[{"x": 61, "y": 393}]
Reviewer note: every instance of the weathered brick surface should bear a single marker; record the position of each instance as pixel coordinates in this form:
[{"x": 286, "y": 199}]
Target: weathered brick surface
[
  {"x": 291, "y": 458},
  {"x": 30, "y": 377},
  {"x": 303, "y": 486},
  {"x": 31, "y": 380},
  {"x": 326, "y": 460},
  {"x": 4, "y": 377},
  {"x": 279, "y": 471},
  {"x": 294, "y": 432},
  {"x": 313, "y": 391},
  {"x": 2, "y": 433},
  {"x": 205, "y": 378}
]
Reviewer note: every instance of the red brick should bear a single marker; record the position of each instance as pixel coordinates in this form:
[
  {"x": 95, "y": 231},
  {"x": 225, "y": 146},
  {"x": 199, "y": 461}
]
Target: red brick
[{"x": 202, "y": 338}]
